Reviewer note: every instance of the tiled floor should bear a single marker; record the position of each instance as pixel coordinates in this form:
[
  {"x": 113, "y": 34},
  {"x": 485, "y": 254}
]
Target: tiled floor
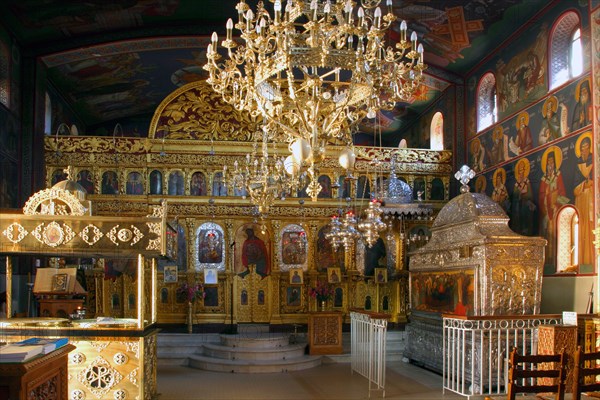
[{"x": 329, "y": 381}]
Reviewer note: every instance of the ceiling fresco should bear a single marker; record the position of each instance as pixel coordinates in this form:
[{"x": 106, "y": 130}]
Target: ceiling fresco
[
  {"x": 113, "y": 60},
  {"x": 129, "y": 79}
]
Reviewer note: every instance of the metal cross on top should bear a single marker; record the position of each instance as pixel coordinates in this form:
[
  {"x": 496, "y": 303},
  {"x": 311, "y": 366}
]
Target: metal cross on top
[
  {"x": 464, "y": 175},
  {"x": 69, "y": 173}
]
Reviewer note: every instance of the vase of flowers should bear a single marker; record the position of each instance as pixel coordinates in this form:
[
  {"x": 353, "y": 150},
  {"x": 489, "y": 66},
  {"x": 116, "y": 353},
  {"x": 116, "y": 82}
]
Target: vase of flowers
[
  {"x": 322, "y": 292},
  {"x": 190, "y": 293}
]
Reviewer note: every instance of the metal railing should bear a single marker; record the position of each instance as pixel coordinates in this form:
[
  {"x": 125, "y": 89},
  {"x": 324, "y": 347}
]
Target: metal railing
[
  {"x": 476, "y": 350},
  {"x": 368, "y": 344}
]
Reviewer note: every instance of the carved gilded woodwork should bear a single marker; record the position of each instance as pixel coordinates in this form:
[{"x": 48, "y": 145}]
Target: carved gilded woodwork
[
  {"x": 181, "y": 115},
  {"x": 252, "y": 297},
  {"x": 366, "y": 296},
  {"x": 113, "y": 366},
  {"x": 211, "y": 156},
  {"x": 192, "y": 131},
  {"x": 43, "y": 234},
  {"x": 385, "y": 299},
  {"x": 53, "y": 201}
]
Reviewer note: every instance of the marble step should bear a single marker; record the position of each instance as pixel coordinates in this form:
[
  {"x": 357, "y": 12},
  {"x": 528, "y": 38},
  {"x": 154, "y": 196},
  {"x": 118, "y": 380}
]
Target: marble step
[
  {"x": 252, "y": 353},
  {"x": 253, "y": 328},
  {"x": 253, "y": 366},
  {"x": 174, "y": 348},
  {"x": 261, "y": 341}
]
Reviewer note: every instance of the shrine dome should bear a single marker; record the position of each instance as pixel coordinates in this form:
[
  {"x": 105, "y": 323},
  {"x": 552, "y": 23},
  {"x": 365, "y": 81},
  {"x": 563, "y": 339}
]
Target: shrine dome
[
  {"x": 72, "y": 187},
  {"x": 469, "y": 207}
]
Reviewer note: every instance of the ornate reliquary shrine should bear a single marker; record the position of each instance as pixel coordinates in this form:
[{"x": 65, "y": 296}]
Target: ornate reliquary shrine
[{"x": 473, "y": 265}]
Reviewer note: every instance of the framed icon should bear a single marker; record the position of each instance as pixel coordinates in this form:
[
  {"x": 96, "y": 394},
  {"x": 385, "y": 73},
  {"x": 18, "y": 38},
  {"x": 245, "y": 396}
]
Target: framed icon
[
  {"x": 210, "y": 276},
  {"x": 170, "y": 273},
  {"x": 380, "y": 275},
  {"x": 333, "y": 275},
  {"x": 296, "y": 276},
  {"x": 293, "y": 296}
]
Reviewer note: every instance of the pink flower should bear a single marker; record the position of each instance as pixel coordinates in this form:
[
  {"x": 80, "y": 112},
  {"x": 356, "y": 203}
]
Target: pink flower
[
  {"x": 322, "y": 292},
  {"x": 190, "y": 293}
]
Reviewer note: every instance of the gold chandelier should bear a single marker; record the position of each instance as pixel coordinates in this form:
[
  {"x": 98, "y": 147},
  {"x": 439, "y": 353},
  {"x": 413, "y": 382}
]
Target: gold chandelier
[
  {"x": 313, "y": 70},
  {"x": 262, "y": 177}
]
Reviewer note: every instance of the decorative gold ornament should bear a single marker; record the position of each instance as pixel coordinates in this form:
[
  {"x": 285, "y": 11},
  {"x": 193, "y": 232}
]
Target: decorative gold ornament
[
  {"x": 133, "y": 347},
  {"x": 120, "y": 394},
  {"x": 99, "y": 377},
  {"x": 124, "y": 235},
  {"x": 53, "y": 201},
  {"x": 77, "y": 394},
  {"x": 52, "y": 234},
  {"x": 96, "y": 234},
  {"x": 120, "y": 358},
  {"x": 133, "y": 377},
  {"x": 77, "y": 357},
  {"x": 15, "y": 232},
  {"x": 99, "y": 345}
]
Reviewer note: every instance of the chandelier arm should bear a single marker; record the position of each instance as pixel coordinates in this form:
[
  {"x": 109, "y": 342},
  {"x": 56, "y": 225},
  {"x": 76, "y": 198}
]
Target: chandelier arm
[{"x": 286, "y": 128}]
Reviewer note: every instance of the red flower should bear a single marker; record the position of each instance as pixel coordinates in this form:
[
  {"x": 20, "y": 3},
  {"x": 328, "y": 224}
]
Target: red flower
[
  {"x": 322, "y": 292},
  {"x": 190, "y": 293}
]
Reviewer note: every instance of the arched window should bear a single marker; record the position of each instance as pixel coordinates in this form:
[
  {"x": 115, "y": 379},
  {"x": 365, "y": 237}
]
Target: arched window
[
  {"x": 567, "y": 238},
  {"x": 576, "y": 54},
  {"x": 436, "y": 132},
  {"x": 48, "y": 115},
  {"x": 487, "y": 103},
  {"x": 566, "y": 54},
  {"x": 4, "y": 75}
]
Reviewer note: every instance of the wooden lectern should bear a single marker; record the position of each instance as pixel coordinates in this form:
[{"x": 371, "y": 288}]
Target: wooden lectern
[
  {"x": 325, "y": 332},
  {"x": 40, "y": 378}
]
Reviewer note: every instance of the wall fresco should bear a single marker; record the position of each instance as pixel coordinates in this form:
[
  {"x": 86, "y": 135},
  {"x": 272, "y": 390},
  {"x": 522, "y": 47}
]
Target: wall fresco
[
  {"x": 548, "y": 120},
  {"x": 538, "y": 158},
  {"x": 534, "y": 187},
  {"x": 596, "y": 96},
  {"x": 521, "y": 68}
]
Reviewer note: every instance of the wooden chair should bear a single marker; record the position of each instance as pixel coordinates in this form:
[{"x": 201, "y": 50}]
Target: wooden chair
[
  {"x": 587, "y": 367},
  {"x": 537, "y": 374}
]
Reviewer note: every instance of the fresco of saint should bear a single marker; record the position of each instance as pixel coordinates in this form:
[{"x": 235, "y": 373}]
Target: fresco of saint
[
  {"x": 522, "y": 205},
  {"x": 253, "y": 252},
  {"x": 523, "y": 142},
  {"x": 500, "y": 193},
  {"x": 582, "y": 112},
  {"x": 551, "y": 197},
  {"x": 584, "y": 197}
]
